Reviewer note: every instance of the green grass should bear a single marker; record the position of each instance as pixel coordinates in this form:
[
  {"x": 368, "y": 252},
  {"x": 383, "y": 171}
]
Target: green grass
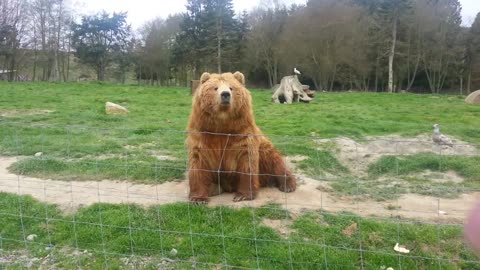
[
  {"x": 81, "y": 142},
  {"x": 468, "y": 167},
  {"x": 224, "y": 235},
  {"x": 405, "y": 168},
  {"x": 146, "y": 169},
  {"x": 392, "y": 176},
  {"x": 78, "y": 133}
]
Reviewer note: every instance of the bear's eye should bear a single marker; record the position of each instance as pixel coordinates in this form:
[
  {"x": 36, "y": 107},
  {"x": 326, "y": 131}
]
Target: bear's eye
[
  {"x": 216, "y": 88},
  {"x": 231, "y": 89}
]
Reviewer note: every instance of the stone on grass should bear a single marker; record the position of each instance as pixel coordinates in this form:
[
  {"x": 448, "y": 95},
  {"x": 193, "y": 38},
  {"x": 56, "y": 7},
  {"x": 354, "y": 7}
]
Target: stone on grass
[
  {"x": 112, "y": 108},
  {"x": 31, "y": 237},
  {"x": 473, "y": 98}
]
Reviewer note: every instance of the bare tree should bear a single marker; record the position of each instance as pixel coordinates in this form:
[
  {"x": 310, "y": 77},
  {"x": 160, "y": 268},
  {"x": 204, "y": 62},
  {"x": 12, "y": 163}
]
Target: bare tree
[
  {"x": 13, "y": 22},
  {"x": 440, "y": 51},
  {"x": 327, "y": 39},
  {"x": 50, "y": 21},
  {"x": 264, "y": 41}
]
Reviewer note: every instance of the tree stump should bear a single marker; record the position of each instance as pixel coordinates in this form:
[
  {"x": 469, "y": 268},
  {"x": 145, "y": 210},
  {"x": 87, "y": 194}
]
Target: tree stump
[{"x": 290, "y": 90}]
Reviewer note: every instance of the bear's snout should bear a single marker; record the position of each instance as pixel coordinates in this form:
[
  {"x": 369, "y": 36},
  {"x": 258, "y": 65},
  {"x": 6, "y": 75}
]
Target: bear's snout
[{"x": 225, "y": 97}]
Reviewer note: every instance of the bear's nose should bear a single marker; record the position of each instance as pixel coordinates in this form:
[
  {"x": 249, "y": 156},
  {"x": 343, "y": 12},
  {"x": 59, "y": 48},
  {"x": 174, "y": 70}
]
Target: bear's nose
[{"x": 225, "y": 96}]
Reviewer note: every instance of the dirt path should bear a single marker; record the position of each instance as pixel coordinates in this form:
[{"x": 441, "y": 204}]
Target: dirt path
[{"x": 69, "y": 196}]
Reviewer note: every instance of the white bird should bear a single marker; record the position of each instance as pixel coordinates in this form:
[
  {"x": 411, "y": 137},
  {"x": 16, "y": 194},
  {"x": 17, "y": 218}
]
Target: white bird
[
  {"x": 297, "y": 71},
  {"x": 439, "y": 138}
]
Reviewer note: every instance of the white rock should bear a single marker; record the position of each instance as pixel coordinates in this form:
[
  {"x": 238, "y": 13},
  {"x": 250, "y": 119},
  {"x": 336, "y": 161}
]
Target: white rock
[
  {"x": 112, "y": 108},
  {"x": 401, "y": 249},
  {"x": 443, "y": 213},
  {"x": 173, "y": 252},
  {"x": 39, "y": 154},
  {"x": 31, "y": 237}
]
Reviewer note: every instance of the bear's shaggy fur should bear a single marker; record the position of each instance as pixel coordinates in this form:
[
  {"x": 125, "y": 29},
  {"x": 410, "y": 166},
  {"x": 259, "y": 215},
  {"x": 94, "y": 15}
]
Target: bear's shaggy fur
[{"x": 227, "y": 151}]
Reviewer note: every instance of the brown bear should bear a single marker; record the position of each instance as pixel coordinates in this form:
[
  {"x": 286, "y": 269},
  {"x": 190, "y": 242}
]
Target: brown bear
[{"x": 226, "y": 150}]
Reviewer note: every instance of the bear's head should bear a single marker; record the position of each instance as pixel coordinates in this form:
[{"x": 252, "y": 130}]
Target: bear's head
[{"x": 223, "y": 95}]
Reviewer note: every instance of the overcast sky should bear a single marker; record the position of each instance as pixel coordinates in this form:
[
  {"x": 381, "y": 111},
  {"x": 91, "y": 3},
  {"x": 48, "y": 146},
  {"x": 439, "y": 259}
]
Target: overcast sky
[{"x": 140, "y": 11}]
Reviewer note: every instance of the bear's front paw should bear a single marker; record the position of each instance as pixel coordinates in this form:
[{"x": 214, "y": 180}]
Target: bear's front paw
[
  {"x": 289, "y": 186},
  {"x": 243, "y": 197},
  {"x": 198, "y": 200}
]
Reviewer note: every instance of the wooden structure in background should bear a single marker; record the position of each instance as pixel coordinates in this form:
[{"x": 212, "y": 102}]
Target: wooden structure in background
[{"x": 194, "y": 85}]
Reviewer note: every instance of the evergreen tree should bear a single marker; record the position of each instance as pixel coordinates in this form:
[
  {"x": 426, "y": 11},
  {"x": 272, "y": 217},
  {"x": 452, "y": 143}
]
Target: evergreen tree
[
  {"x": 221, "y": 32},
  {"x": 99, "y": 38},
  {"x": 239, "y": 60},
  {"x": 188, "y": 49},
  {"x": 209, "y": 36},
  {"x": 473, "y": 54}
]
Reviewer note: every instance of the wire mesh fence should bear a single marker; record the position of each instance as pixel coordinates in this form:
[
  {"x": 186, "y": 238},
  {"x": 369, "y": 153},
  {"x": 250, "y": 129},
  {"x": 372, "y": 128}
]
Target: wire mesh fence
[{"x": 83, "y": 197}]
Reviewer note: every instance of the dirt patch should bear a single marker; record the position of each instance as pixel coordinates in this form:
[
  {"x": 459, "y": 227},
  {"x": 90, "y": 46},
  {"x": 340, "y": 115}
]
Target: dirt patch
[
  {"x": 162, "y": 156},
  {"x": 146, "y": 147},
  {"x": 282, "y": 226},
  {"x": 358, "y": 155},
  {"x": 20, "y": 113},
  {"x": 56, "y": 259},
  {"x": 140, "y": 146},
  {"x": 350, "y": 230},
  {"x": 440, "y": 177},
  {"x": 69, "y": 196}
]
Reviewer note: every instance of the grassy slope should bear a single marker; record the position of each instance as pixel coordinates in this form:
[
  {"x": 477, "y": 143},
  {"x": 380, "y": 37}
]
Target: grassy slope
[
  {"x": 224, "y": 235},
  {"x": 121, "y": 147}
]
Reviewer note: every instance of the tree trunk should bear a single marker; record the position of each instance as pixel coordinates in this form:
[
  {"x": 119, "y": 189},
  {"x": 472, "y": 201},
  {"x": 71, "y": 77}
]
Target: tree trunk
[
  {"x": 411, "y": 79},
  {"x": 275, "y": 70},
  {"x": 101, "y": 72},
  {"x": 56, "y": 72},
  {"x": 469, "y": 82},
  {"x": 219, "y": 46},
  {"x": 67, "y": 69},
  {"x": 35, "y": 57},
  {"x": 270, "y": 81},
  {"x": 377, "y": 67},
  {"x": 461, "y": 85},
  {"x": 57, "y": 41},
  {"x": 392, "y": 52},
  {"x": 333, "y": 78},
  {"x": 44, "y": 42}
]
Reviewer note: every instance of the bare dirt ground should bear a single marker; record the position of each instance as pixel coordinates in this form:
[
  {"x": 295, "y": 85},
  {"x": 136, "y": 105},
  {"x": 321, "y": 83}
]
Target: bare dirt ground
[
  {"x": 282, "y": 226},
  {"x": 17, "y": 113},
  {"x": 70, "y": 196},
  {"x": 358, "y": 155}
]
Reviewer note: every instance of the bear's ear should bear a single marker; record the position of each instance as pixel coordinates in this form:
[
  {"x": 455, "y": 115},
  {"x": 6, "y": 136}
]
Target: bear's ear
[
  {"x": 205, "y": 77},
  {"x": 239, "y": 77}
]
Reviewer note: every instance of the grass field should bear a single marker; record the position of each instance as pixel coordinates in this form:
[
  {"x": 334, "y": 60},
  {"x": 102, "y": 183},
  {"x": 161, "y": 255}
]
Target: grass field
[
  {"x": 317, "y": 240},
  {"x": 80, "y": 142}
]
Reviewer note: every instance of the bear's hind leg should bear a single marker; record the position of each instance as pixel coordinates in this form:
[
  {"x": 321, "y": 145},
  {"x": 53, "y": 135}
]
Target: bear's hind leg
[{"x": 274, "y": 169}]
